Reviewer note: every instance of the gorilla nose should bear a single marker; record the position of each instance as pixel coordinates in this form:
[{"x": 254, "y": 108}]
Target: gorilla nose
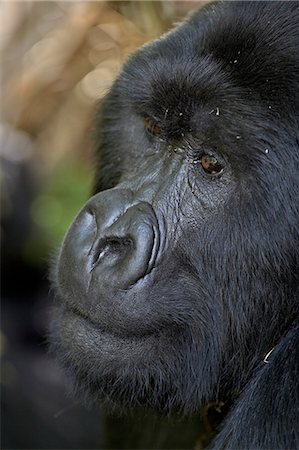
[
  {"x": 125, "y": 247},
  {"x": 113, "y": 240},
  {"x": 112, "y": 247}
]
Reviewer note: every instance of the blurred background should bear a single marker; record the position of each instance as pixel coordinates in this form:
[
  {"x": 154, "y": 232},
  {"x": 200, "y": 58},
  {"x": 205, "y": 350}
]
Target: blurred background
[{"x": 58, "y": 60}]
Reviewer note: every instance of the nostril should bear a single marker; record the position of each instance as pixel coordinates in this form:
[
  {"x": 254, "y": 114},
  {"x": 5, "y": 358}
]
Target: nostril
[{"x": 113, "y": 247}]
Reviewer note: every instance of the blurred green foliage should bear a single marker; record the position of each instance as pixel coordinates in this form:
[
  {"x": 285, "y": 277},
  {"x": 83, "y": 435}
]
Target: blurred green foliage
[{"x": 53, "y": 209}]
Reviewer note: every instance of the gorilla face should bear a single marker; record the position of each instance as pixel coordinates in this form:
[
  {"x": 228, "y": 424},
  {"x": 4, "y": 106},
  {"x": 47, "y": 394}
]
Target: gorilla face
[{"x": 181, "y": 272}]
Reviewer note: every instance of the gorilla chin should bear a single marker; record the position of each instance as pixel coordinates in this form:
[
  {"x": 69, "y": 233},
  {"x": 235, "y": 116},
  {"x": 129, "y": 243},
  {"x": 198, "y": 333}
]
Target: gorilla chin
[{"x": 124, "y": 372}]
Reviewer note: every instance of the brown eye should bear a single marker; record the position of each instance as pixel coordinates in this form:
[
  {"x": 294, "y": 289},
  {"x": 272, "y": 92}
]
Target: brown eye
[
  {"x": 151, "y": 127},
  {"x": 210, "y": 164}
]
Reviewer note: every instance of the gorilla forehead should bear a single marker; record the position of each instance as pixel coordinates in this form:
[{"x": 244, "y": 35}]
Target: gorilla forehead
[
  {"x": 229, "y": 100},
  {"x": 221, "y": 57}
]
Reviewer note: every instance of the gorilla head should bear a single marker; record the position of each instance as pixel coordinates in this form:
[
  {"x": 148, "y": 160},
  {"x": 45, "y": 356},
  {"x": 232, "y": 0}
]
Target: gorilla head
[{"x": 181, "y": 272}]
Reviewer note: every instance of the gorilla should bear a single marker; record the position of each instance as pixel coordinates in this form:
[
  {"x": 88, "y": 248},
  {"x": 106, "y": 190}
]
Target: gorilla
[{"x": 177, "y": 283}]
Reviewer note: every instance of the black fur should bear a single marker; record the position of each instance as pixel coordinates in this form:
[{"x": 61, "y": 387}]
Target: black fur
[{"x": 224, "y": 289}]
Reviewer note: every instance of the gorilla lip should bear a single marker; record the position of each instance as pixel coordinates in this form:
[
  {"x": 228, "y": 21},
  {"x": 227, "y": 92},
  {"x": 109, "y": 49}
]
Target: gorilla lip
[{"x": 102, "y": 330}]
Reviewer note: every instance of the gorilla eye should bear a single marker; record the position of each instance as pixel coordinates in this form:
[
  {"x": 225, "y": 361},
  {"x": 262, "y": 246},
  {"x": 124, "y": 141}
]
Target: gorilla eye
[
  {"x": 151, "y": 127},
  {"x": 210, "y": 164}
]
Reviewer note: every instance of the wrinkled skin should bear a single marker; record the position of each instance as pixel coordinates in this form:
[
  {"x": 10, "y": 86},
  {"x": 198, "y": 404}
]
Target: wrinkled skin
[{"x": 173, "y": 282}]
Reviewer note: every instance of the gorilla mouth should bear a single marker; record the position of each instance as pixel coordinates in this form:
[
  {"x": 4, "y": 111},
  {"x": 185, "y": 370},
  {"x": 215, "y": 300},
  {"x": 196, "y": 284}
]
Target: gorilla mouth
[{"x": 102, "y": 330}]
